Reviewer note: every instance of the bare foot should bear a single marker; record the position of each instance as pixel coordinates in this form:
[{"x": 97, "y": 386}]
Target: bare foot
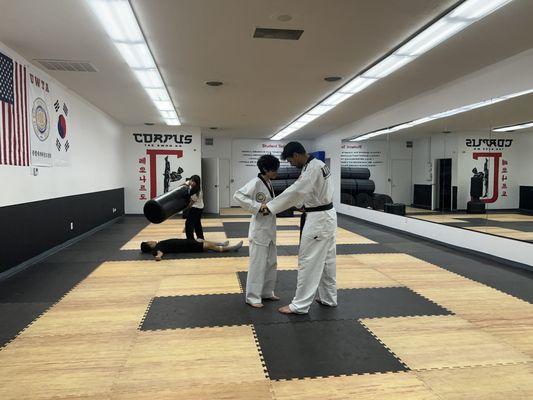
[
  {"x": 323, "y": 304},
  {"x": 256, "y": 305},
  {"x": 272, "y": 298},
  {"x": 235, "y": 247},
  {"x": 159, "y": 255},
  {"x": 285, "y": 310}
]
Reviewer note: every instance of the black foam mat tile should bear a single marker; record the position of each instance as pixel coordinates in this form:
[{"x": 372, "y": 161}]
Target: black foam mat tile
[
  {"x": 314, "y": 349},
  {"x": 240, "y": 229},
  {"x": 14, "y": 317},
  {"x": 196, "y": 311},
  {"x": 175, "y": 312},
  {"x": 44, "y": 282},
  {"x": 372, "y": 248},
  {"x": 136, "y": 255}
]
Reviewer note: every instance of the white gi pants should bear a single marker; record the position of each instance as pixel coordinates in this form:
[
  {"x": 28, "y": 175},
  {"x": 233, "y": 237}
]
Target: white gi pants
[
  {"x": 316, "y": 271},
  {"x": 262, "y": 272}
]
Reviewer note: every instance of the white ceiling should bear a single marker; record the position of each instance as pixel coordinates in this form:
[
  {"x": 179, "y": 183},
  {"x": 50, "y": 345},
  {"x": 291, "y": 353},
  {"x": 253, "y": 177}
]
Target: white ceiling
[{"x": 267, "y": 83}]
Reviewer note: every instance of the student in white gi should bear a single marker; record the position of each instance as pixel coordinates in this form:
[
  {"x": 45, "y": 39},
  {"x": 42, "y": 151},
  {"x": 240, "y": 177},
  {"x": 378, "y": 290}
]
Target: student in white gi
[
  {"x": 317, "y": 253},
  {"x": 262, "y": 234}
]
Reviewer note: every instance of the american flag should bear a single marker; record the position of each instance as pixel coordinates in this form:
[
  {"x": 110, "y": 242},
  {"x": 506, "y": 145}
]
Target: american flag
[{"x": 14, "y": 129}]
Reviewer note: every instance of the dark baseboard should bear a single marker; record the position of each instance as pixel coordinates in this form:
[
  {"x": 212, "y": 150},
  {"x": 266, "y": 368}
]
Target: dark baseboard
[{"x": 31, "y": 229}]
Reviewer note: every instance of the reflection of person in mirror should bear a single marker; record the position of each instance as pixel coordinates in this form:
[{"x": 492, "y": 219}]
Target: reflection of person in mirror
[
  {"x": 486, "y": 177},
  {"x": 166, "y": 176},
  {"x": 477, "y": 174}
]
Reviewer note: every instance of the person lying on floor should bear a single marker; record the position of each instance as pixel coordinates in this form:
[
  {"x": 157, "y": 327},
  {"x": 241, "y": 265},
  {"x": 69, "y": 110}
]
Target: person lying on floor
[{"x": 159, "y": 249}]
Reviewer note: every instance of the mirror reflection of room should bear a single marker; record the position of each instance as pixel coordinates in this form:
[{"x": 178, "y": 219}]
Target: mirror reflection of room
[{"x": 468, "y": 170}]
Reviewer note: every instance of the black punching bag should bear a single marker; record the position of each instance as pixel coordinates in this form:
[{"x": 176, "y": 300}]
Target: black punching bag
[{"x": 165, "y": 206}]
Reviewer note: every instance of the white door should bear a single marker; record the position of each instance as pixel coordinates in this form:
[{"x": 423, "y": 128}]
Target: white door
[
  {"x": 402, "y": 186},
  {"x": 223, "y": 180},
  {"x": 210, "y": 184}
]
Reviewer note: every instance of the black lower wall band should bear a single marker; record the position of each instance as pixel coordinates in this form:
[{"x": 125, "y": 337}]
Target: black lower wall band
[{"x": 30, "y": 229}]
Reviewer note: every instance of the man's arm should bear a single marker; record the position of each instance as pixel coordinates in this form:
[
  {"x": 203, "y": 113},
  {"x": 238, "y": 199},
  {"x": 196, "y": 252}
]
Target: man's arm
[
  {"x": 244, "y": 196},
  {"x": 294, "y": 194}
]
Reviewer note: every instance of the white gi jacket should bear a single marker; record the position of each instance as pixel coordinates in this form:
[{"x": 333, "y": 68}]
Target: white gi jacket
[
  {"x": 262, "y": 227},
  {"x": 312, "y": 189}
]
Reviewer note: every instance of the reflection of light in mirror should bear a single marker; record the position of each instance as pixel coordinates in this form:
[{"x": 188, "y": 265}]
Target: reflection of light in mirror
[
  {"x": 511, "y": 128},
  {"x": 444, "y": 28},
  {"x": 448, "y": 113}
]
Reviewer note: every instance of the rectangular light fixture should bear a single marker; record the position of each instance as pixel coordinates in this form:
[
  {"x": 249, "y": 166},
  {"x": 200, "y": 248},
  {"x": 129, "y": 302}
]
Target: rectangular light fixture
[
  {"x": 511, "y": 128},
  {"x": 120, "y": 23},
  {"x": 449, "y": 113},
  {"x": 444, "y": 28}
]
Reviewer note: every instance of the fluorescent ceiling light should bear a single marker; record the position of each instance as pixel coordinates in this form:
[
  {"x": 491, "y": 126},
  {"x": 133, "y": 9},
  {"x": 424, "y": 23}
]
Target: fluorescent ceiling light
[
  {"x": 450, "y": 24},
  {"x": 307, "y": 118},
  {"x": 149, "y": 78},
  {"x": 172, "y": 121},
  {"x": 387, "y": 66},
  {"x": 511, "y": 128},
  {"x": 476, "y": 9},
  {"x": 431, "y": 37},
  {"x": 119, "y": 21},
  {"x": 336, "y": 98},
  {"x": 320, "y": 109},
  {"x": 356, "y": 85},
  {"x": 449, "y": 113},
  {"x": 136, "y": 55},
  {"x": 164, "y": 105},
  {"x": 168, "y": 114},
  {"x": 157, "y": 94}
]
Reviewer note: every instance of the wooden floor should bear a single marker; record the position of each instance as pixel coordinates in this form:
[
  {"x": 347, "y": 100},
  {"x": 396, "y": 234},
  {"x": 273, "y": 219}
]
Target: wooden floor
[
  {"x": 490, "y": 223},
  {"x": 88, "y": 345}
]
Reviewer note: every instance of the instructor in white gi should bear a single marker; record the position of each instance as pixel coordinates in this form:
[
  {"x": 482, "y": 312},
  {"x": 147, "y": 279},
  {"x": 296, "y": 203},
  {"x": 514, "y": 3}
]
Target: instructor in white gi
[
  {"x": 263, "y": 262},
  {"x": 317, "y": 253}
]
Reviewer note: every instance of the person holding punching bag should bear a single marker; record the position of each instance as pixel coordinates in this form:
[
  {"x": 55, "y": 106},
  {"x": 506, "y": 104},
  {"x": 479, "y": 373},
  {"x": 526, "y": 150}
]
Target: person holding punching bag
[{"x": 193, "y": 223}]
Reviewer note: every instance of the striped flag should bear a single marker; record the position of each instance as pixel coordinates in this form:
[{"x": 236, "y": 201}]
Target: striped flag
[{"x": 14, "y": 140}]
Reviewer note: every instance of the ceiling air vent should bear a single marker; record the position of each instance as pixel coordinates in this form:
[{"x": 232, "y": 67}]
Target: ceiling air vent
[
  {"x": 283, "y": 34},
  {"x": 67, "y": 65}
]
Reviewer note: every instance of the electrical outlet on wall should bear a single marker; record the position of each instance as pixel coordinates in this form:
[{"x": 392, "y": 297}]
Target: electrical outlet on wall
[
  {"x": 72, "y": 226},
  {"x": 34, "y": 171},
  {"x": 114, "y": 210}
]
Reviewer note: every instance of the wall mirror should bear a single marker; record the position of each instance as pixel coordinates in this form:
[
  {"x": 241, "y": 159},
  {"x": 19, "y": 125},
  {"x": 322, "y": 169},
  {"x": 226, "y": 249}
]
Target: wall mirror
[{"x": 472, "y": 170}]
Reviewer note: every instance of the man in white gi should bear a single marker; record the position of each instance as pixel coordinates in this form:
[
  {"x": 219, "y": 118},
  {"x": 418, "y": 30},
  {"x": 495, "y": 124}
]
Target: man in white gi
[
  {"x": 317, "y": 253},
  {"x": 263, "y": 262}
]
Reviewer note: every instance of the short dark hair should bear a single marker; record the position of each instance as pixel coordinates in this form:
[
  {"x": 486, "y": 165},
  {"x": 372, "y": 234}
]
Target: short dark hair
[
  {"x": 291, "y": 148},
  {"x": 145, "y": 247},
  {"x": 267, "y": 163}
]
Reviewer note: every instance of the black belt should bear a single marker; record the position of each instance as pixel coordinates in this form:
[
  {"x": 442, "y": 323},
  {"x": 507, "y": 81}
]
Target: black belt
[{"x": 325, "y": 207}]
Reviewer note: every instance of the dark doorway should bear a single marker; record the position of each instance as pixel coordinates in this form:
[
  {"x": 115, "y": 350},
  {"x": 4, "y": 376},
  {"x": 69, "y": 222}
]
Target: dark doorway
[{"x": 445, "y": 184}]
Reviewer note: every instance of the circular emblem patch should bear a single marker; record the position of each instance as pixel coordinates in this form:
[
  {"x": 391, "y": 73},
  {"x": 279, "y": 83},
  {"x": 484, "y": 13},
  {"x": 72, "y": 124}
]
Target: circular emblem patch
[
  {"x": 39, "y": 114},
  {"x": 62, "y": 126},
  {"x": 260, "y": 197}
]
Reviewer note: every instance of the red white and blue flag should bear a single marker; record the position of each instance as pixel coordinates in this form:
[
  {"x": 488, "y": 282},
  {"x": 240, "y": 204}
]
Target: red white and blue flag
[{"x": 14, "y": 140}]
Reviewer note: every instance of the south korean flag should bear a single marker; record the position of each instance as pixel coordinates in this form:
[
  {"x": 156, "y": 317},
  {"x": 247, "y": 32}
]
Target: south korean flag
[{"x": 62, "y": 134}]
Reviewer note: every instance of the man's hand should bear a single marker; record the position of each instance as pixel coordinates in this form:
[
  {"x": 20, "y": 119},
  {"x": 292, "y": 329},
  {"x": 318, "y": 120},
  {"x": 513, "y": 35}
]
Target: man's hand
[{"x": 264, "y": 209}]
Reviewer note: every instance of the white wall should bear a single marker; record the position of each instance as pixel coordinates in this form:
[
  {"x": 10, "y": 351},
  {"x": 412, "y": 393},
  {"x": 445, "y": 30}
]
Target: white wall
[
  {"x": 245, "y": 153},
  {"x": 96, "y": 158},
  {"x": 221, "y": 147},
  {"x": 171, "y": 138}
]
